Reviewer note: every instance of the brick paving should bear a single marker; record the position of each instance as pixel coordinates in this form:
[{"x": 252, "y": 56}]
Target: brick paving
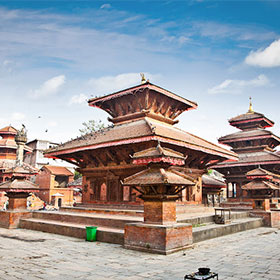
[{"x": 24, "y": 254}]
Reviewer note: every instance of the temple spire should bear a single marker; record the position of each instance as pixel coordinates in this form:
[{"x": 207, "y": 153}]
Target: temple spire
[{"x": 250, "y": 106}]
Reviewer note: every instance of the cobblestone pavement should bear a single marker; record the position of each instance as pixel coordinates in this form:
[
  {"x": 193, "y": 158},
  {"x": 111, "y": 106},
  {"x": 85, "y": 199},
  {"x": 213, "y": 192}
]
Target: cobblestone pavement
[{"x": 32, "y": 255}]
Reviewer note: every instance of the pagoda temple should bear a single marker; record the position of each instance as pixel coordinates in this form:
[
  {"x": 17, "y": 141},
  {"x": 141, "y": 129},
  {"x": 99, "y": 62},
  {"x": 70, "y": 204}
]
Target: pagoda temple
[
  {"x": 12, "y": 150},
  {"x": 255, "y": 146},
  {"x": 142, "y": 116}
]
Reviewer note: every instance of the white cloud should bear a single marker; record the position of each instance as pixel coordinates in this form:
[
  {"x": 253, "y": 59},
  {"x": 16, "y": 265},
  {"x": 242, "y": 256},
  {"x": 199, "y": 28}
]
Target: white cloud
[
  {"x": 106, "y": 6},
  {"x": 49, "y": 87},
  {"x": 52, "y": 124},
  {"x": 8, "y": 65},
  {"x": 109, "y": 84},
  {"x": 78, "y": 99},
  {"x": 17, "y": 116},
  {"x": 268, "y": 57},
  {"x": 237, "y": 86}
]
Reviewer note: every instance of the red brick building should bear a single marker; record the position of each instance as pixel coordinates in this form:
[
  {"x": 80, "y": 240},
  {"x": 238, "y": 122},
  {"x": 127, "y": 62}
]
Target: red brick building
[{"x": 53, "y": 181}]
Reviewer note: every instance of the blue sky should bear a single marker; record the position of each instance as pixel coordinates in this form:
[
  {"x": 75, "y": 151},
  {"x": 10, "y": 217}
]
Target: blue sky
[{"x": 56, "y": 54}]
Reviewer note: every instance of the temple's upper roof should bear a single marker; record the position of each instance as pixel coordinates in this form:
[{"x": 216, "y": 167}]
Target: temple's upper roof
[
  {"x": 8, "y": 130},
  {"x": 158, "y": 176},
  {"x": 145, "y": 100},
  {"x": 251, "y": 120},
  {"x": 24, "y": 168},
  {"x": 158, "y": 154},
  {"x": 8, "y": 140},
  {"x": 139, "y": 131},
  {"x": 259, "y": 172}
]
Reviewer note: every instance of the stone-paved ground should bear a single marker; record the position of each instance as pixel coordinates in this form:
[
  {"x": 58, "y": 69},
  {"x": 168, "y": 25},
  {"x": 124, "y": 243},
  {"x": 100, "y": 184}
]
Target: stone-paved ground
[{"x": 24, "y": 254}]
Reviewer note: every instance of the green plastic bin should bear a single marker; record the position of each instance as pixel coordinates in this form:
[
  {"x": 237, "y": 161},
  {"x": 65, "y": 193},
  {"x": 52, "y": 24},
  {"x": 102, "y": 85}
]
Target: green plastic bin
[{"x": 91, "y": 233}]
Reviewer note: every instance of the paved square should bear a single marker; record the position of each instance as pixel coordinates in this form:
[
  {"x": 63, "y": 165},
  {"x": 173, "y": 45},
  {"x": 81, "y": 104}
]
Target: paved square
[{"x": 36, "y": 255}]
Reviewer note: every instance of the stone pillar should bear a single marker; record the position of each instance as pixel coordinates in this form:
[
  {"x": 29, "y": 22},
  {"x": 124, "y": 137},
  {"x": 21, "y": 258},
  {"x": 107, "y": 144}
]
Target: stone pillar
[
  {"x": 20, "y": 151},
  {"x": 160, "y": 233},
  {"x": 160, "y": 210}
]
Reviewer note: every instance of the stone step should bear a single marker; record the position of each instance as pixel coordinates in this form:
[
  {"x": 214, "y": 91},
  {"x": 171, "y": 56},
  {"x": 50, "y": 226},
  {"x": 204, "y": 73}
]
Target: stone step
[
  {"x": 240, "y": 205},
  {"x": 214, "y": 230},
  {"x": 116, "y": 236},
  {"x": 136, "y": 206},
  {"x": 103, "y": 210},
  {"x": 93, "y": 219},
  {"x": 104, "y": 234},
  {"x": 208, "y": 219}
]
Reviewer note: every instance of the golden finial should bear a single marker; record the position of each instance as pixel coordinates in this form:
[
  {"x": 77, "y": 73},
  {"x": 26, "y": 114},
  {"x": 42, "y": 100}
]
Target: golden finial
[
  {"x": 143, "y": 79},
  {"x": 250, "y": 106}
]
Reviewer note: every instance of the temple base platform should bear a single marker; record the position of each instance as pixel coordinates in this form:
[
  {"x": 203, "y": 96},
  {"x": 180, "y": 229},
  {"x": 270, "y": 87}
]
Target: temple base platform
[
  {"x": 159, "y": 239},
  {"x": 11, "y": 218}
]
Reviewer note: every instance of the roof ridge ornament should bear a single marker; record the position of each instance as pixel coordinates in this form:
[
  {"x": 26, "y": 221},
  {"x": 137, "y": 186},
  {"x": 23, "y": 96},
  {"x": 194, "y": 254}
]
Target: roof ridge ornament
[
  {"x": 250, "y": 111},
  {"x": 143, "y": 79}
]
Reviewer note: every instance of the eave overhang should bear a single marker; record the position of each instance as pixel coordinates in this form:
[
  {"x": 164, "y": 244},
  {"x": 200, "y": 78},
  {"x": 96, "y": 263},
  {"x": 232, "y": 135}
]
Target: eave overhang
[
  {"x": 93, "y": 101},
  {"x": 227, "y": 154}
]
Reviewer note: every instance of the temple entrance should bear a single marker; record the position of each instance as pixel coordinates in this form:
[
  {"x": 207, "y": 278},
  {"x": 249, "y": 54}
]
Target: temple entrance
[{"x": 59, "y": 202}]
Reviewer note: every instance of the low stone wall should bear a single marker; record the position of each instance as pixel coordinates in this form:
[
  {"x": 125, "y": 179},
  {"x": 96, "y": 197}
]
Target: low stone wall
[
  {"x": 10, "y": 219},
  {"x": 270, "y": 218},
  {"x": 160, "y": 239}
]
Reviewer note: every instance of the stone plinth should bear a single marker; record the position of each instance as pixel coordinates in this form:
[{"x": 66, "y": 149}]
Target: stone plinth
[
  {"x": 10, "y": 219},
  {"x": 17, "y": 200},
  {"x": 270, "y": 218},
  {"x": 160, "y": 239},
  {"x": 16, "y": 210},
  {"x": 261, "y": 203}
]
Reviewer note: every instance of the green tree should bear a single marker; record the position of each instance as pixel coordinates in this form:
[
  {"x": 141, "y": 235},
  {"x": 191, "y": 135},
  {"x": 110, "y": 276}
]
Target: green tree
[
  {"x": 77, "y": 175},
  {"x": 91, "y": 126}
]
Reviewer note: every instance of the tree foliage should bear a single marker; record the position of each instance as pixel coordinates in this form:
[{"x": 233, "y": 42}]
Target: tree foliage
[
  {"x": 91, "y": 126},
  {"x": 77, "y": 175}
]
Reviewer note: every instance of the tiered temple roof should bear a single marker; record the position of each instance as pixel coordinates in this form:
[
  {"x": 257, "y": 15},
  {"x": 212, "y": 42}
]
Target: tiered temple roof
[
  {"x": 142, "y": 114},
  {"x": 254, "y": 144},
  {"x": 261, "y": 179}
]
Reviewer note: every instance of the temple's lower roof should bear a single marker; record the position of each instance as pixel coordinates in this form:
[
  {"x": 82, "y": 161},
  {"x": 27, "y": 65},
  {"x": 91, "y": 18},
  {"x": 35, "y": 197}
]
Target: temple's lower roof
[
  {"x": 210, "y": 181},
  {"x": 248, "y": 135},
  {"x": 263, "y": 157},
  {"x": 24, "y": 168},
  {"x": 157, "y": 176},
  {"x": 260, "y": 185},
  {"x": 18, "y": 185},
  {"x": 141, "y": 130}
]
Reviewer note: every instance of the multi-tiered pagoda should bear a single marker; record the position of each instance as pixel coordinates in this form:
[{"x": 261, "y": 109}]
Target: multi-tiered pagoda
[
  {"x": 255, "y": 146},
  {"x": 142, "y": 116}
]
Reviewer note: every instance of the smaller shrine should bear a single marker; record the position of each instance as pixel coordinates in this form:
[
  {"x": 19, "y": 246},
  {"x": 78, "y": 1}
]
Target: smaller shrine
[
  {"x": 261, "y": 187},
  {"x": 160, "y": 187},
  {"x": 16, "y": 175},
  {"x": 17, "y": 190}
]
